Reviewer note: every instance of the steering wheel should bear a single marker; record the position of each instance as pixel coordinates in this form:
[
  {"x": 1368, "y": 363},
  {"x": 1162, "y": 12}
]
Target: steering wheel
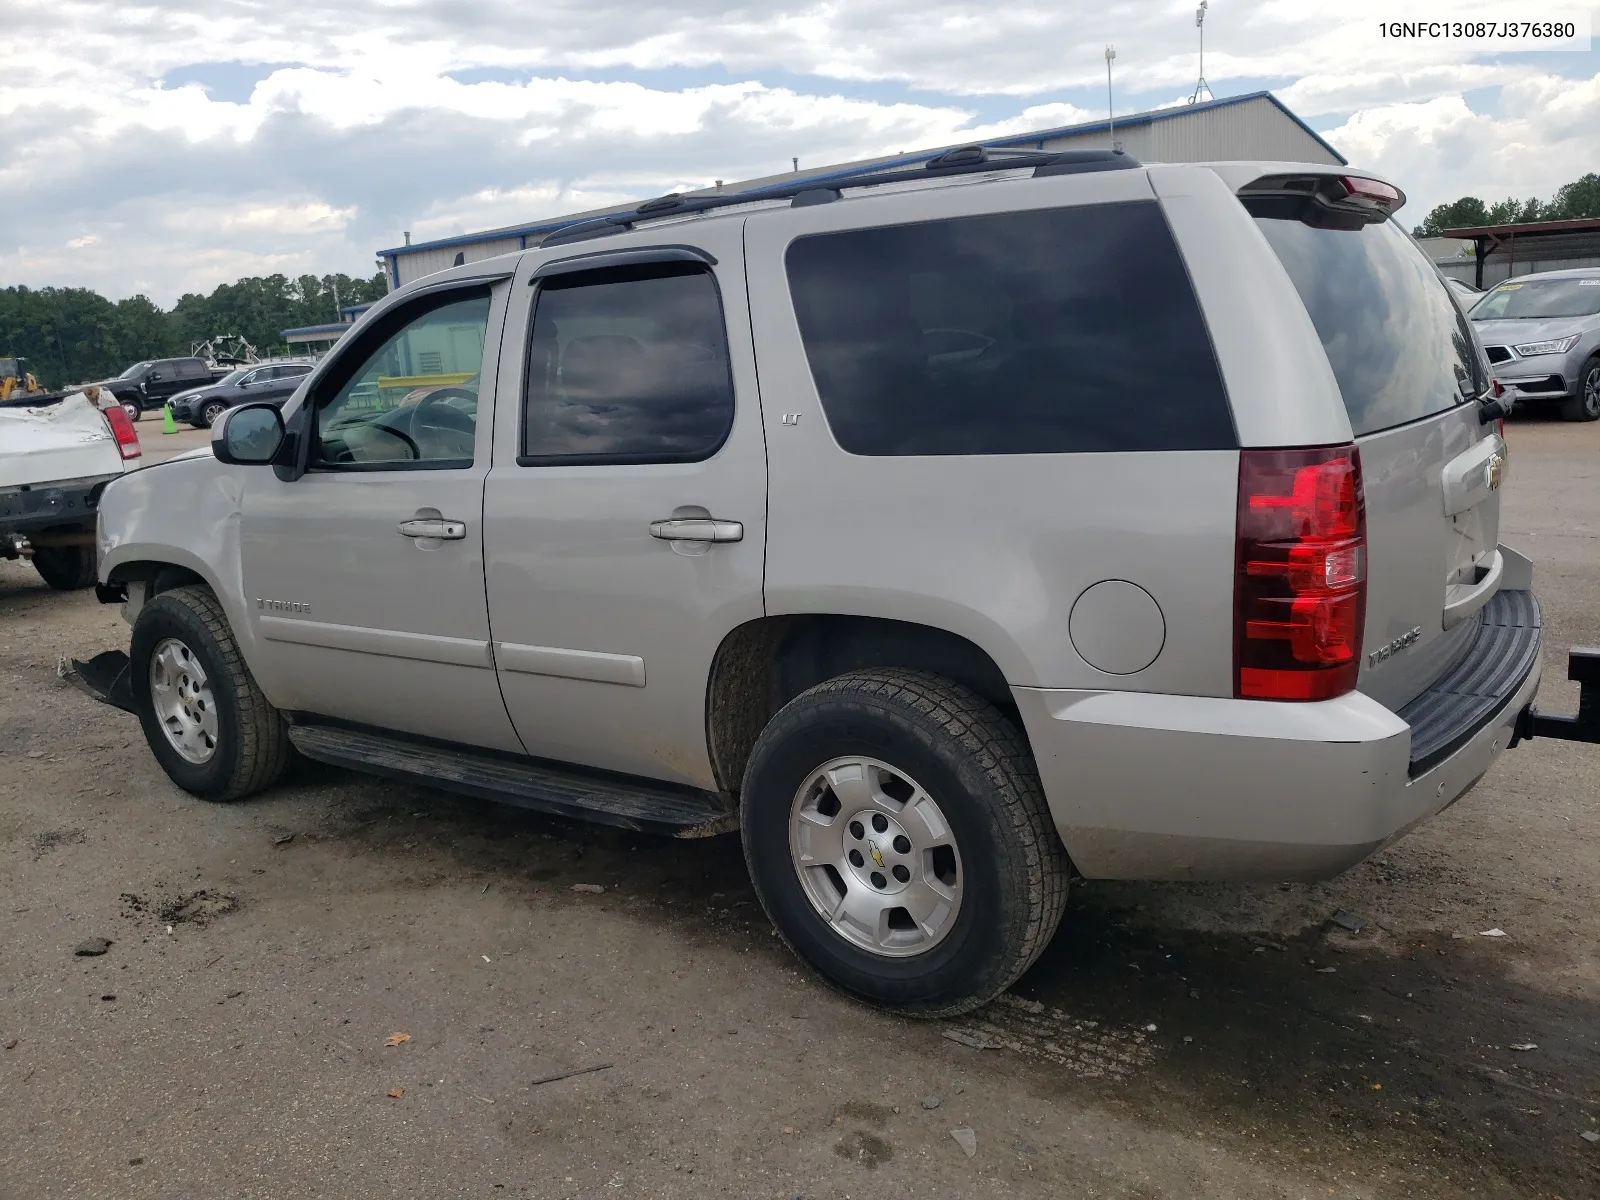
[
  {"x": 434, "y": 415},
  {"x": 416, "y": 450}
]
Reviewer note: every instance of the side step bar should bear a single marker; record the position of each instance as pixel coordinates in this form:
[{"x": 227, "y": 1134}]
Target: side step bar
[
  {"x": 640, "y": 804},
  {"x": 1583, "y": 668}
]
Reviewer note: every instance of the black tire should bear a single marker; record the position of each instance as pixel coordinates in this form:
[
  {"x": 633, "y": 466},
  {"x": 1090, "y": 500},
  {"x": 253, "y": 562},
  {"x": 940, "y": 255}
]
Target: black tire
[
  {"x": 66, "y": 568},
  {"x": 252, "y": 745},
  {"x": 1585, "y": 406},
  {"x": 210, "y": 411},
  {"x": 977, "y": 767}
]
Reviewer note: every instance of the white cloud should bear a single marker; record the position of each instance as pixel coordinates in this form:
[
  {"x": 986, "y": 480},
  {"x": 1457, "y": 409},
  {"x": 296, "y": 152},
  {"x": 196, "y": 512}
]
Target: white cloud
[{"x": 116, "y": 181}]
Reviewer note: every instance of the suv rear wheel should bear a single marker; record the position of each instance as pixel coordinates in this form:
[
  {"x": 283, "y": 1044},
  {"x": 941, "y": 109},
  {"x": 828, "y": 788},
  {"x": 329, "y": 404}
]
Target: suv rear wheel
[
  {"x": 1585, "y": 406},
  {"x": 205, "y": 719},
  {"x": 133, "y": 408},
  {"x": 898, "y": 837}
]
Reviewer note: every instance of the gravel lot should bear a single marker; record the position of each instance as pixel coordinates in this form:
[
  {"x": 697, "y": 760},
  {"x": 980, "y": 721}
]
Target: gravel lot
[{"x": 1175, "y": 1041}]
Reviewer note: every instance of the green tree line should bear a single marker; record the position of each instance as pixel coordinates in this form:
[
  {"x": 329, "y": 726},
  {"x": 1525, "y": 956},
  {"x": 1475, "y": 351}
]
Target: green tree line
[
  {"x": 75, "y": 335},
  {"x": 1580, "y": 198}
]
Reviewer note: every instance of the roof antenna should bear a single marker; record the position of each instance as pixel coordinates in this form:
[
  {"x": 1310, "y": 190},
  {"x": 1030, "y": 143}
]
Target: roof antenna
[
  {"x": 1111, "y": 122},
  {"x": 796, "y": 163},
  {"x": 1200, "y": 24}
]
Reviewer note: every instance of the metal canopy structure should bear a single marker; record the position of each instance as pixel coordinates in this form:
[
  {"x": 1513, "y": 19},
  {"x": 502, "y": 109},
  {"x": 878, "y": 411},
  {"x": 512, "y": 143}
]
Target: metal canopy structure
[{"x": 1562, "y": 241}]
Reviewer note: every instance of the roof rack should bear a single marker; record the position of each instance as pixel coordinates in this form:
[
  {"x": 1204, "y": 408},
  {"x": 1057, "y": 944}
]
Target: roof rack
[{"x": 964, "y": 160}]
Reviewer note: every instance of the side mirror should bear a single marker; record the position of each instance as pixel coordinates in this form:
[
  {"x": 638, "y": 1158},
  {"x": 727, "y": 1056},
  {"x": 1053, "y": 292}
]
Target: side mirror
[
  {"x": 244, "y": 383},
  {"x": 250, "y": 435}
]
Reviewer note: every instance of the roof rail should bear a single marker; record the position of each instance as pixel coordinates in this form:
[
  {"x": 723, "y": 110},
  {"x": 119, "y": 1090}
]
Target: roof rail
[{"x": 964, "y": 160}]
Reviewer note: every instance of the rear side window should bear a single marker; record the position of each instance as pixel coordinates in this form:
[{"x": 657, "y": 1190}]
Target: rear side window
[
  {"x": 1395, "y": 337},
  {"x": 627, "y": 365},
  {"x": 1046, "y": 332}
]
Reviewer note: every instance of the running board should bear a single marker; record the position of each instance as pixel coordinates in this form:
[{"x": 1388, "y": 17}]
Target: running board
[{"x": 643, "y": 805}]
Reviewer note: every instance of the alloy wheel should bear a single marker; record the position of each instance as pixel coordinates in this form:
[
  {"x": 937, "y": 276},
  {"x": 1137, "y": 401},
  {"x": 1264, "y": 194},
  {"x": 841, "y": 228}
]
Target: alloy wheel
[
  {"x": 180, "y": 693},
  {"x": 876, "y": 857}
]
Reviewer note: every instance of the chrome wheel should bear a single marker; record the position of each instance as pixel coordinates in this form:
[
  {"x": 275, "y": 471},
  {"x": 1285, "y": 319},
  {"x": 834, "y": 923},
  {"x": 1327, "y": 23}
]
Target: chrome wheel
[
  {"x": 210, "y": 413},
  {"x": 180, "y": 693},
  {"x": 876, "y": 857}
]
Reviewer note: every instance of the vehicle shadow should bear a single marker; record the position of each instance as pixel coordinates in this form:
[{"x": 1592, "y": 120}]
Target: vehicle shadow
[{"x": 1397, "y": 1043}]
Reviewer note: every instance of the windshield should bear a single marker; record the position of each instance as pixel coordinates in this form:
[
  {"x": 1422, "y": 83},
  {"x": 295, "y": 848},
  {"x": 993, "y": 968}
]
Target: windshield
[
  {"x": 1395, "y": 338},
  {"x": 1529, "y": 299},
  {"x": 133, "y": 370}
]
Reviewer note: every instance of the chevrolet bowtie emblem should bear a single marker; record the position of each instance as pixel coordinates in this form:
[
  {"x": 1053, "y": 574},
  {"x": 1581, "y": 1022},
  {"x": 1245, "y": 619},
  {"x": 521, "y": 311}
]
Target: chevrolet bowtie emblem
[
  {"x": 877, "y": 856},
  {"x": 1497, "y": 471}
]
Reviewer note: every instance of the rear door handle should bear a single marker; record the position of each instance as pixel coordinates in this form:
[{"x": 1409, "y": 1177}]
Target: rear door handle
[
  {"x": 434, "y": 527},
  {"x": 697, "y": 529}
]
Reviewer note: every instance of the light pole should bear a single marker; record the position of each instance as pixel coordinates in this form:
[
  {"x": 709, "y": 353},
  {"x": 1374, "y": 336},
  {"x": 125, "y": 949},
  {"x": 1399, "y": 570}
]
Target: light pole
[
  {"x": 1111, "y": 120},
  {"x": 1200, "y": 24}
]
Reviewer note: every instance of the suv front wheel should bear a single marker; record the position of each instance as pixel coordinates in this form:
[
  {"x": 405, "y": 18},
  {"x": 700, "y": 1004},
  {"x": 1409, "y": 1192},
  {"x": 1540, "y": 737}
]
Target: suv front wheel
[
  {"x": 898, "y": 837},
  {"x": 205, "y": 719}
]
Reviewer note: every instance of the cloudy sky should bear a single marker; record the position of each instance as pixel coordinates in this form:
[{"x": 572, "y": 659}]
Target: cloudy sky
[{"x": 168, "y": 147}]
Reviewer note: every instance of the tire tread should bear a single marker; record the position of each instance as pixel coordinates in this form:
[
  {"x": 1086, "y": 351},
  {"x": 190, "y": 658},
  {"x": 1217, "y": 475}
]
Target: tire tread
[
  {"x": 1037, "y": 861},
  {"x": 263, "y": 750}
]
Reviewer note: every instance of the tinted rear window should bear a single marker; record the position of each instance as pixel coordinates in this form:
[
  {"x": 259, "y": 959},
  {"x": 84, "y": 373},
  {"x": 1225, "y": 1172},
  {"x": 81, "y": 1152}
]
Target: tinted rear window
[
  {"x": 1395, "y": 337},
  {"x": 1059, "y": 330}
]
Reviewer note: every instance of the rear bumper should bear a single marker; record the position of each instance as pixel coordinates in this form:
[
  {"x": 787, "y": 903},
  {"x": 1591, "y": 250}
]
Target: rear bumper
[
  {"x": 1146, "y": 786},
  {"x": 42, "y": 505}
]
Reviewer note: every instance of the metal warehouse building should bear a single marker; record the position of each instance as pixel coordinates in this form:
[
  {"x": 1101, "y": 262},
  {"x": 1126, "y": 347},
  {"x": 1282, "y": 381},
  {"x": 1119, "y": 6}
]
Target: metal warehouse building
[{"x": 1253, "y": 126}]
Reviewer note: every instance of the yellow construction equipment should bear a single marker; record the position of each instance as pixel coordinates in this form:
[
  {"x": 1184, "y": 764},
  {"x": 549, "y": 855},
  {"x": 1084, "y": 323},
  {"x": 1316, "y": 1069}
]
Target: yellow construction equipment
[{"x": 16, "y": 379}]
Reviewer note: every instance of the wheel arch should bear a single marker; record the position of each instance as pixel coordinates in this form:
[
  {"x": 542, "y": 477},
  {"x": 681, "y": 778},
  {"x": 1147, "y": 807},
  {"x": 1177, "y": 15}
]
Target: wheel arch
[
  {"x": 763, "y": 664},
  {"x": 162, "y": 568}
]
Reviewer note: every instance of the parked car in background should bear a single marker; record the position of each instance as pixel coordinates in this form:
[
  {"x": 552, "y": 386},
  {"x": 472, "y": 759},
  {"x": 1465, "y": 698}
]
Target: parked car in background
[
  {"x": 1542, "y": 336},
  {"x": 151, "y": 383},
  {"x": 55, "y": 461},
  {"x": 1465, "y": 292},
  {"x": 274, "y": 381}
]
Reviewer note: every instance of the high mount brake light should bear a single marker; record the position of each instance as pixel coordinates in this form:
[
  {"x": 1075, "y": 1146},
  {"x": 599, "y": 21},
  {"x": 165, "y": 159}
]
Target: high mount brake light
[
  {"x": 1300, "y": 583},
  {"x": 1371, "y": 191},
  {"x": 123, "y": 431}
]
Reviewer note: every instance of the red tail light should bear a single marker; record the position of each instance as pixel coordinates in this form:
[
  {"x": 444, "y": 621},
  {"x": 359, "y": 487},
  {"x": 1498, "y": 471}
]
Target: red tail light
[
  {"x": 1300, "y": 584},
  {"x": 122, "y": 429}
]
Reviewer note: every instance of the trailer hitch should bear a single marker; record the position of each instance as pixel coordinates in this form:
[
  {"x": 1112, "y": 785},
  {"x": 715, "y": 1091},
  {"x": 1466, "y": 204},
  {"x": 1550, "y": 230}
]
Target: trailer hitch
[{"x": 1583, "y": 668}]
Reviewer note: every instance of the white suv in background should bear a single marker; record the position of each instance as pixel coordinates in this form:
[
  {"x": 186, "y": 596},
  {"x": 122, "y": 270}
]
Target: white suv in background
[{"x": 946, "y": 534}]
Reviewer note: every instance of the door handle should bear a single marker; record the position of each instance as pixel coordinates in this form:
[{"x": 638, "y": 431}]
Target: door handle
[
  {"x": 697, "y": 529},
  {"x": 433, "y": 527}
]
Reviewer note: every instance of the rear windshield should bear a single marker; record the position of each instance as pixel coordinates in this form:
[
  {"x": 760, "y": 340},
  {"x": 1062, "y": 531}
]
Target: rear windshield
[
  {"x": 1534, "y": 298},
  {"x": 1396, "y": 339},
  {"x": 1058, "y": 330}
]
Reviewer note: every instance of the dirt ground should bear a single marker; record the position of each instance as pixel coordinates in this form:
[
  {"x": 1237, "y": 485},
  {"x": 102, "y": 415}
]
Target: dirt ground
[{"x": 1175, "y": 1041}]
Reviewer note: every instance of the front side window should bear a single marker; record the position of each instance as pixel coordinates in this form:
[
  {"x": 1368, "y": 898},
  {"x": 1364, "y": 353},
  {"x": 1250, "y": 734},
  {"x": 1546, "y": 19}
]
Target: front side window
[
  {"x": 408, "y": 394},
  {"x": 627, "y": 364},
  {"x": 1052, "y": 331}
]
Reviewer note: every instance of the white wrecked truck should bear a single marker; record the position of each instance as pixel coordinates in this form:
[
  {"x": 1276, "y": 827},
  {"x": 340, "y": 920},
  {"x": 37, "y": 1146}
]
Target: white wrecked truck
[{"x": 55, "y": 461}]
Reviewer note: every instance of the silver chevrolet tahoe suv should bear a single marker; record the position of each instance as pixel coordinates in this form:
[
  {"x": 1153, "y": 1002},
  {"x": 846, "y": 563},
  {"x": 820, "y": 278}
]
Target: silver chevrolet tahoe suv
[{"x": 947, "y": 533}]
